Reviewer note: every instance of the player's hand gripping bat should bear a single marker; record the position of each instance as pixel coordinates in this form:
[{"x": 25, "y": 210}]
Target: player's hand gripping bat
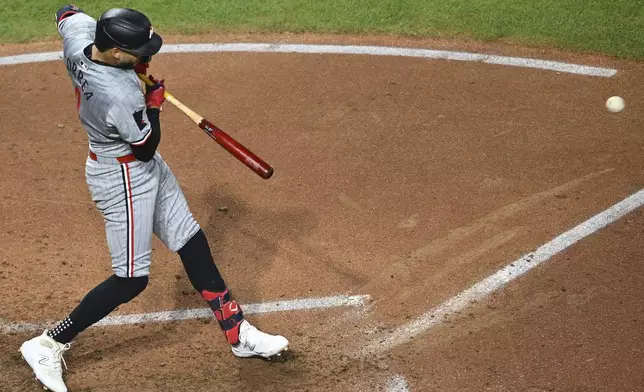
[{"x": 231, "y": 145}]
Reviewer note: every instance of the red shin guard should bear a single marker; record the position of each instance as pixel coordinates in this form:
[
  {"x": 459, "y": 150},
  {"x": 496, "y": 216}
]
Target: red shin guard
[{"x": 227, "y": 312}]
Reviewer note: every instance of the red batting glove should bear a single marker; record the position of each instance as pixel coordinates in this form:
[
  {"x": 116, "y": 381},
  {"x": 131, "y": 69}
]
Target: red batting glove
[
  {"x": 142, "y": 66},
  {"x": 154, "y": 95}
]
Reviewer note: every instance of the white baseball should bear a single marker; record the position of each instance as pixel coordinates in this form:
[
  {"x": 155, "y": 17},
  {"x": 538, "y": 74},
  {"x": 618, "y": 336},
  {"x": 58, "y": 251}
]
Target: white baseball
[{"x": 615, "y": 104}]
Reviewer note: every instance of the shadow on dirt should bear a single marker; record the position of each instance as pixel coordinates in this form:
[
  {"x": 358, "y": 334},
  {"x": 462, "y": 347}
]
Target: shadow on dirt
[{"x": 244, "y": 241}]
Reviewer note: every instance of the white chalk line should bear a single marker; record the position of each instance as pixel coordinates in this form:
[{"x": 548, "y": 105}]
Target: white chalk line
[
  {"x": 504, "y": 276},
  {"x": 462, "y": 300},
  {"x": 187, "y": 314},
  {"x": 397, "y": 384},
  {"x": 351, "y": 49}
]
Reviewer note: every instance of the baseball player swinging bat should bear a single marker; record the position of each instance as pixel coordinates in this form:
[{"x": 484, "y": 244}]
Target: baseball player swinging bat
[
  {"x": 134, "y": 189},
  {"x": 231, "y": 145}
]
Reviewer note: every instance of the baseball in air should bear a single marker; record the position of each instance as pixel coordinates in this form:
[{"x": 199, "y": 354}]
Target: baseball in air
[{"x": 615, "y": 104}]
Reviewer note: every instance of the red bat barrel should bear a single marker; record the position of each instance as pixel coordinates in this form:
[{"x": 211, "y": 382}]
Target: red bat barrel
[{"x": 240, "y": 152}]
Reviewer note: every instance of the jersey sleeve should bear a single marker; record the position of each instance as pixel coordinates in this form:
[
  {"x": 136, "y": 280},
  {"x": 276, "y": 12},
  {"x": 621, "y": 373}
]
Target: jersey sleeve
[
  {"x": 77, "y": 27},
  {"x": 129, "y": 117}
]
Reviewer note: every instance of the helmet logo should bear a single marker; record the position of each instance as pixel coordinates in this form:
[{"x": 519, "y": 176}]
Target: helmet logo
[{"x": 151, "y": 32}]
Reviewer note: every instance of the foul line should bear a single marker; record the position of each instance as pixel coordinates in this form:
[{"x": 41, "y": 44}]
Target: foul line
[
  {"x": 504, "y": 276},
  {"x": 351, "y": 49},
  {"x": 187, "y": 314}
]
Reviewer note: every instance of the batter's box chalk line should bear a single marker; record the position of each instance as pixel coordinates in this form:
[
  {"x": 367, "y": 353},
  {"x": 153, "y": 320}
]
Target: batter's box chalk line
[
  {"x": 187, "y": 314},
  {"x": 504, "y": 276}
]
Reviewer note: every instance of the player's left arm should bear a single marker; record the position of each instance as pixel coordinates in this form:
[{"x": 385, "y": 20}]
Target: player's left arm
[
  {"x": 154, "y": 97},
  {"x": 136, "y": 118}
]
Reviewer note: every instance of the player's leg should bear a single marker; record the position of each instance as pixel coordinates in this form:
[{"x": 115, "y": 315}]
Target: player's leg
[
  {"x": 177, "y": 228},
  {"x": 125, "y": 196},
  {"x": 126, "y": 199},
  {"x": 44, "y": 353}
]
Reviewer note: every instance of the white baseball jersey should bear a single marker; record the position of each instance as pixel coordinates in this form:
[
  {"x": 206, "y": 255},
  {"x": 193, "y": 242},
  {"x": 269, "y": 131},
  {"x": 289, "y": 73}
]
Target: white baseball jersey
[
  {"x": 110, "y": 101},
  {"x": 136, "y": 198}
]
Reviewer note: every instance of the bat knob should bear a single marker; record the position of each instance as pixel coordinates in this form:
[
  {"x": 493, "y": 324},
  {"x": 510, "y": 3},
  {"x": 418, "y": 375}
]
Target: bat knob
[{"x": 267, "y": 174}]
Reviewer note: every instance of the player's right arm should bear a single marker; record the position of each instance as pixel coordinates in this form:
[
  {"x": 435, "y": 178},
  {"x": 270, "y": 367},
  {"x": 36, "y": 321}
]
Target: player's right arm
[{"x": 72, "y": 22}]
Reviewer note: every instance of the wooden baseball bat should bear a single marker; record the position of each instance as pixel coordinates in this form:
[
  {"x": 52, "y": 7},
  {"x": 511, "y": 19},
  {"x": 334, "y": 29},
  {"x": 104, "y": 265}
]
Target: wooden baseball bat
[{"x": 231, "y": 145}]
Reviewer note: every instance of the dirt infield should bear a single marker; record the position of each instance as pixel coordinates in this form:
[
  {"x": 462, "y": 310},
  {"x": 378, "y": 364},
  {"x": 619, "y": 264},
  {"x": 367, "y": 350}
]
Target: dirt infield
[{"x": 404, "y": 179}]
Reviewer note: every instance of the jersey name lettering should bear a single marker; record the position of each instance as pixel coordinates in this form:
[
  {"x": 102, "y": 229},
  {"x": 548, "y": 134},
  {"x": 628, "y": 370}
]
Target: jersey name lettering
[{"x": 77, "y": 73}]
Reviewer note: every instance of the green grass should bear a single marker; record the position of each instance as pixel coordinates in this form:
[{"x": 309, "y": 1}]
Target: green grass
[{"x": 614, "y": 27}]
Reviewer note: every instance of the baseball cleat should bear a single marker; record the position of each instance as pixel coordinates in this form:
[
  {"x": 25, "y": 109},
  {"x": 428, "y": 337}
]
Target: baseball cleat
[
  {"x": 255, "y": 343},
  {"x": 45, "y": 355}
]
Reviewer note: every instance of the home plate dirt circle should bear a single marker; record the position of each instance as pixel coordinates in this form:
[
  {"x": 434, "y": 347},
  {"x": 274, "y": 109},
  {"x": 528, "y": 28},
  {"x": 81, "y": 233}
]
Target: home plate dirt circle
[{"x": 403, "y": 176}]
